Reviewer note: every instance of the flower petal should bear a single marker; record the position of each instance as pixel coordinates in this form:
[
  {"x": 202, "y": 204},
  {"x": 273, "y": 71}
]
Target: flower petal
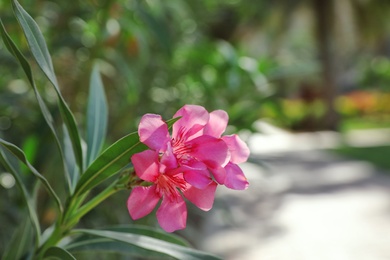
[
  {"x": 196, "y": 174},
  {"x": 235, "y": 178},
  {"x": 239, "y": 151},
  {"x": 146, "y": 165},
  {"x": 142, "y": 201},
  {"x": 168, "y": 160},
  {"x": 202, "y": 198},
  {"x": 153, "y": 131},
  {"x": 193, "y": 119},
  {"x": 172, "y": 214},
  {"x": 219, "y": 173},
  {"x": 217, "y": 123},
  {"x": 210, "y": 149}
]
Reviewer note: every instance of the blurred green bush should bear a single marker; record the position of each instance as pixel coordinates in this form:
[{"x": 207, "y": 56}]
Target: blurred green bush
[{"x": 154, "y": 57}]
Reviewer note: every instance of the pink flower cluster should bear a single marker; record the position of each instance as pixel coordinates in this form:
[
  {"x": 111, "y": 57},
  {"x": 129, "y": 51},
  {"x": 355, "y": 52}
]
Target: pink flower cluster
[{"x": 190, "y": 163}]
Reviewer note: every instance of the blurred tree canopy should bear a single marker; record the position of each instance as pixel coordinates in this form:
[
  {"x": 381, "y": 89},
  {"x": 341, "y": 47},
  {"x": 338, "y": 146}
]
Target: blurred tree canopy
[
  {"x": 235, "y": 55},
  {"x": 155, "y": 56}
]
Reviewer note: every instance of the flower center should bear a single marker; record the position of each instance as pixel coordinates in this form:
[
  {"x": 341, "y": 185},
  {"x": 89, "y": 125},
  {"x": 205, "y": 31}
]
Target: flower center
[
  {"x": 169, "y": 185},
  {"x": 181, "y": 150}
]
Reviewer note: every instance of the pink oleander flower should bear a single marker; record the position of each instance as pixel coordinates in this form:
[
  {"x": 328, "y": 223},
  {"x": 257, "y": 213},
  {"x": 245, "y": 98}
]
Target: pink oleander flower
[
  {"x": 233, "y": 177},
  {"x": 197, "y": 144},
  {"x": 168, "y": 184}
]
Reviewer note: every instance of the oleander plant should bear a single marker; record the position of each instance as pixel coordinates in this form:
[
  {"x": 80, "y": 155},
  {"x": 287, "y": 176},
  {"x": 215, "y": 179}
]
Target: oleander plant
[{"x": 175, "y": 161}]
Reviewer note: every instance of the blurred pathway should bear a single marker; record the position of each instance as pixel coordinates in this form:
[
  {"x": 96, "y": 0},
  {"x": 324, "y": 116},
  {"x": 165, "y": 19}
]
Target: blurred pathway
[{"x": 303, "y": 203}]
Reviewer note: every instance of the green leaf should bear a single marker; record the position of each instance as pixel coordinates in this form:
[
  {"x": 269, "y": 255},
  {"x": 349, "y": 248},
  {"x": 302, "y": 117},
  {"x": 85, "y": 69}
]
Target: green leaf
[
  {"x": 70, "y": 124},
  {"x": 142, "y": 230},
  {"x": 170, "y": 122},
  {"x": 109, "y": 162},
  {"x": 104, "y": 245},
  {"x": 70, "y": 161},
  {"x": 27, "y": 69},
  {"x": 26, "y": 196},
  {"x": 45, "y": 111},
  {"x": 22, "y": 157},
  {"x": 149, "y": 243},
  {"x": 36, "y": 42},
  {"x": 58, "y": 253},
  {"x": 10, "y": 45},
  {"x": 150, "y": 232},
  {"x": 97, "y": 116},
  {"x": 20, "y": 243},
  {"x": 41, "y": 55}
]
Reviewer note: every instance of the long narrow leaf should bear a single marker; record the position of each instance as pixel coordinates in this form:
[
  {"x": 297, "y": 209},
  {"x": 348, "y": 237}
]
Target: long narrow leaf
[
  {"x": 141, "y": 230},
  {"x": 149, "y": 243},
  {"x": 150, "y": 232},
  {"x": 74, "y": 173},
  {"x": 21, "y": 156},
  {"x": 27, "y": 197},
  {"x": 109, "y": 162},
  {"x": 97, "y": 114},
  {"x": 45, "y": 111},
  {"x": 74, "y": 135},
  {"x": 54, "y": 253},
  {"x": 41, "y": 55},
  {"x": 104, "y": 245},
  {"x": 36, "y": 42}
]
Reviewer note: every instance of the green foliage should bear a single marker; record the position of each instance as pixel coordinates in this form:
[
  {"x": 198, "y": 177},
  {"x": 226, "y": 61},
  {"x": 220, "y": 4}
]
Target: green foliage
[
  {"x": 22, "y": 157},
  {"x": 109, "y": 162},
  {"x": 41, "y": 55},
  {"x": 27, "y": 69},
  {"x": 375, "y": 73},
  {"x": 20, "y": 243},
  {"x": 149, "y": 243},
  {"x": 155, "y": 55},
  {"x": 97, "y": 115},
  {"x": 26, "y": 196},
  {"x": 86, "y": 242},
  {"x": 28, "y": 241},
  {"x": 54, "y": 253}
]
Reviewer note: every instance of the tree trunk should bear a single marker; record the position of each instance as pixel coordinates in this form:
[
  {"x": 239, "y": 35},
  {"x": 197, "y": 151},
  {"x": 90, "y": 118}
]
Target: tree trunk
[{"x": 324, "y": 18}]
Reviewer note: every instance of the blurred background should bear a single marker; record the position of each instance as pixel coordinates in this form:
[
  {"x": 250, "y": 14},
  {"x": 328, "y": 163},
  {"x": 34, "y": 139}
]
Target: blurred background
[{"x": 305, "y": 82}]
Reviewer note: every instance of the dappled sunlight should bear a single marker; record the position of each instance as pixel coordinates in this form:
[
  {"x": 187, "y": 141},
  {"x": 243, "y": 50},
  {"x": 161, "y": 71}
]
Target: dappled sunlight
[{"x": 303, "y": 205}]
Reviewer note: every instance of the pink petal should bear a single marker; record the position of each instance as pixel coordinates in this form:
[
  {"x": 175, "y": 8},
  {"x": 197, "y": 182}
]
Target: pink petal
[
  {"x": 239, "y": 151},
  {"x": 217, "y": 123},
  {"x": 196, "y": 174},
  {"x": 206, "y": 148},
  {"x": 193, "y": 119},
  {"x": 219, "y": 173},
  {"x": 235, "y": 178},
  {"x": 172, "y": 214},
  {"x": 202, "y": 198},
  {"x": 153, "y": 131},
  {"x": 146, "y": 165},
  {"x": 168, "y": 160},
  {"x": 142, "y": 201}
]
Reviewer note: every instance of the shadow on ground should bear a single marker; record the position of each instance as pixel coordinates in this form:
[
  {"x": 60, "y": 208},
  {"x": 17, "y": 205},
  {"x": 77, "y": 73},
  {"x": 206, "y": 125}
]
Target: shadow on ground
[{"x": 301, "y": 205}]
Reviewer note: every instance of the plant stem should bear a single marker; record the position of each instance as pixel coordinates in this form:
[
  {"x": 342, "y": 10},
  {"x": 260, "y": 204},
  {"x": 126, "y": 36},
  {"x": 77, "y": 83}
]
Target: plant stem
[
  {"x": 54, "y": 238},
  {"x": 91, "y": 204},
  {"x": 74, "y": 212}
]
